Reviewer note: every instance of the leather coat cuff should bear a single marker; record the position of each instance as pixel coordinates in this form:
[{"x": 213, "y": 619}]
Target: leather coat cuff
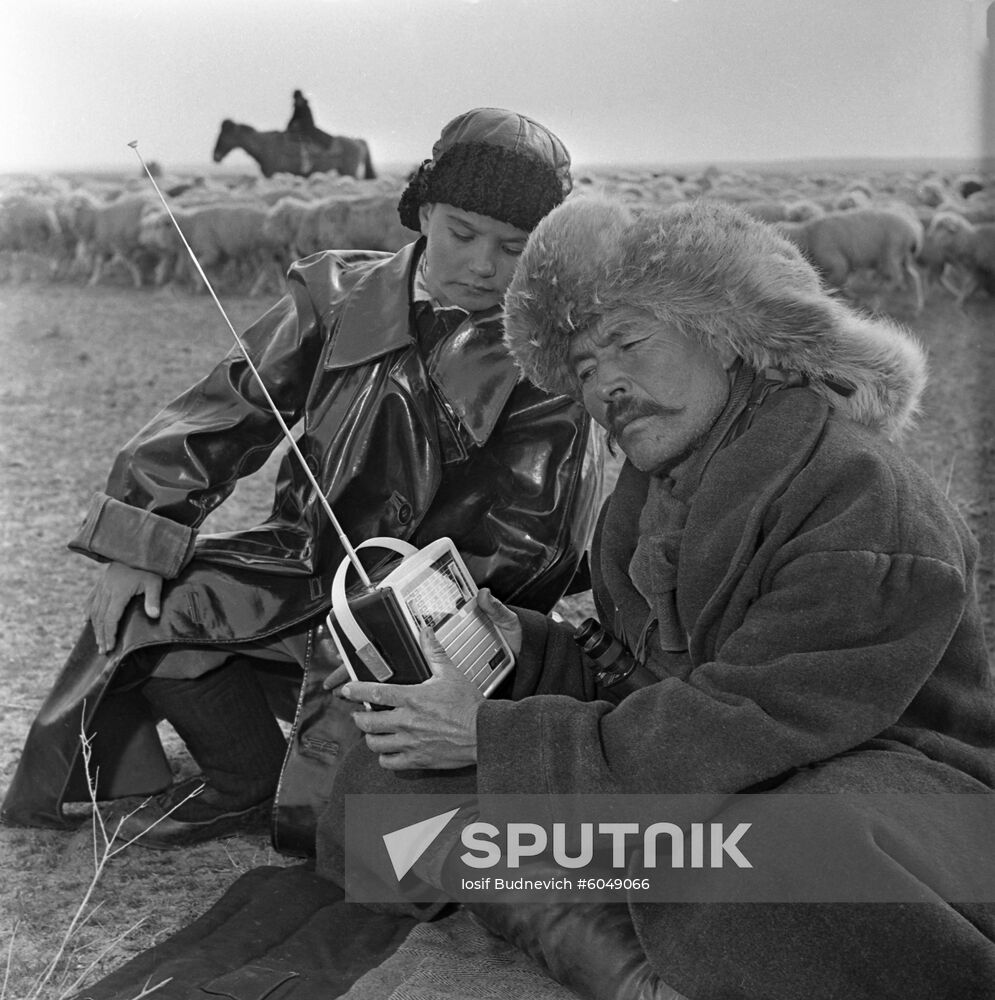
[{"x": 115, "y": 531}]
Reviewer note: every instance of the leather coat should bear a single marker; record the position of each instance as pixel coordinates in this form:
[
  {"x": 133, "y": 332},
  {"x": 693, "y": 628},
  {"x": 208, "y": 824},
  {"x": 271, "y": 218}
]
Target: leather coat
[{"x": 414, "y": 448}]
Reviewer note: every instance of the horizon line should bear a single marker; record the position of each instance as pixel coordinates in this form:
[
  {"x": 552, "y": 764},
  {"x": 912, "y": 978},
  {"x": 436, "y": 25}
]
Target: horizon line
[{"x": 977, "y": 161}]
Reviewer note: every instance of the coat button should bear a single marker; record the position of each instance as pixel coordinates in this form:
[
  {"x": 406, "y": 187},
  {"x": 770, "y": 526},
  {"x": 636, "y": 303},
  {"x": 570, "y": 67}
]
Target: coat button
[{"x": 404, "y": 513}]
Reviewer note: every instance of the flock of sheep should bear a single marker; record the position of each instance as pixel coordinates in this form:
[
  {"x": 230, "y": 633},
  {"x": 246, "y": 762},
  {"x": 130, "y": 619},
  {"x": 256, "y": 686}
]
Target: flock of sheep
[
  {"x": 928, "y": 233},
  {"x": 245, "y": 233},
  {"x": 897, "y": 229}
]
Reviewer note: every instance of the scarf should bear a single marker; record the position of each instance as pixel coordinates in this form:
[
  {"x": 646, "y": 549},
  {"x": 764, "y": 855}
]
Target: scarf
[{"x": 653, "y": 566}]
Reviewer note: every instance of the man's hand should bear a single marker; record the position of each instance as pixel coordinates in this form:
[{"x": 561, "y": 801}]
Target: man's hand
[
  {"x": 505, "y": 620},
  {"x": 327, "y": 653},
  {"x": 336, "y": 678},
  {"x": 432, "y": 724},
  {"x": 108, "y": 599}
]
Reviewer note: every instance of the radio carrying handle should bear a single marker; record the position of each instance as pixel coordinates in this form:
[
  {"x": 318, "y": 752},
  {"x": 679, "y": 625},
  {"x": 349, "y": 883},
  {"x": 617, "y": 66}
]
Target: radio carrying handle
[{"x": 365, "y": 650}]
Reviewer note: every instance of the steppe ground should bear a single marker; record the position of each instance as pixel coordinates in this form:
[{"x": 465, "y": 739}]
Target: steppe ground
[{"x": 82, "y": 368}]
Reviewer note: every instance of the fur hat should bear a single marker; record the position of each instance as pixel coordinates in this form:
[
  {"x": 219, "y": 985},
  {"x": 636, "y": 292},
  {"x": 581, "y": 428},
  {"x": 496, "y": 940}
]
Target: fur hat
[
  {"x": 493, "y": 162},
  {"x": 711, "y": 271}
]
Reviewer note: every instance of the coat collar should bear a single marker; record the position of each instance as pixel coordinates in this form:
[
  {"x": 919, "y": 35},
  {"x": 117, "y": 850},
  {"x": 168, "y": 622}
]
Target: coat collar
[
  {"x": 373, "y": 318},
  {"x": 725, "y": 519},
  {"x": 473, "y": 370}
]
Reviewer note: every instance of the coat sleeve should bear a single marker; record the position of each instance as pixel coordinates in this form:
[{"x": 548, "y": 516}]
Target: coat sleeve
[
  {"x": 545, "y": 501},
  {"x": 525, "y": 501},
  {"x": 189, "y": 457},
  {"x": 801, "y": 678}
]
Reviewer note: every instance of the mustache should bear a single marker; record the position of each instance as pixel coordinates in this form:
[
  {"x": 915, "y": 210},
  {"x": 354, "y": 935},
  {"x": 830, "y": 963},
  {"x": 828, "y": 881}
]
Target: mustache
[{"x": 622, "y": 411}]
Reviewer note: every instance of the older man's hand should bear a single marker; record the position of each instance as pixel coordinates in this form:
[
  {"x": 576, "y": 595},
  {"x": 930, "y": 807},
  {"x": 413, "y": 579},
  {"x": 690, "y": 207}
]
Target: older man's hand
[
  {"x": 428, "y": 725},
  {"x": 505, "y": 620}
]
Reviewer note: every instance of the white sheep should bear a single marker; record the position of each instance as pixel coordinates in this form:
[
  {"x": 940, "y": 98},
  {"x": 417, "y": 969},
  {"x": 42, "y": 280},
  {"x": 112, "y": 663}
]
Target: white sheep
[
  {"x": 783, "y": 211},
  {"x": 157, "y": 235},
  {"x": 883, "y": 240},
  {"x": 282, "y": 226},
  {"x": 368, "y": 222},
  {"x": 112, "y": 234},
  {"x": 372, "y": 223},
  {"x": 320, "y": 223},
  {"x": 938, "y": 255},
  {"x": 980, "y": 206},
  {"x": 932, "y": 192},
  {"x": 76, "y": 211},
  {"x": 219, "y": 235},
  {"x": 27, "y": 222},
  {"x": 956, "y": 246},
  {"x": 30, "y": 232},
  {"x": 852, "y": 199}
]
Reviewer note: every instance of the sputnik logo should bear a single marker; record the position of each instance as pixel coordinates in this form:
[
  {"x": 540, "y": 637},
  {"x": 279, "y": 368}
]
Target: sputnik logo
[{"x": 407, "y": 845}]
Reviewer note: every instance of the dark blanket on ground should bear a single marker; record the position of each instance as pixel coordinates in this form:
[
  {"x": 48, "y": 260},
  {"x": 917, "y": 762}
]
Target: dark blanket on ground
[
  {"x": 276, "y": 933},
  {"x": 286, "y": 934}
]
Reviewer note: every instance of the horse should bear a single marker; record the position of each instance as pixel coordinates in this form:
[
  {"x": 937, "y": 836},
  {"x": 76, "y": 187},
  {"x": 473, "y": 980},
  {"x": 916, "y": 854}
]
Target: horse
[{"x": 293, "y": 153}]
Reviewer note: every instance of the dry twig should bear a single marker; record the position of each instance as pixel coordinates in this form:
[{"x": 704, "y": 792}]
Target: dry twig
[{"x": 105, "y": 848}]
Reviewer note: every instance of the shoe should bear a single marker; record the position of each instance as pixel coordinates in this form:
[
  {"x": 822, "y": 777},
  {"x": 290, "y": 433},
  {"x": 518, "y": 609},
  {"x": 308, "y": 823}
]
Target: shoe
[{"x": 153, "y": 825}]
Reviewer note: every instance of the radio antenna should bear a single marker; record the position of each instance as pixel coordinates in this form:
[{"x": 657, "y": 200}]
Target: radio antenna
[{"x": 319, "y": 492}]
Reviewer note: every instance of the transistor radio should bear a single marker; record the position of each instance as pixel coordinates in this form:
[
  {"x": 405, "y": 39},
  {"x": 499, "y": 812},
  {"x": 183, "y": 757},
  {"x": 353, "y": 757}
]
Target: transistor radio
[{"x": 376, "y": 629}]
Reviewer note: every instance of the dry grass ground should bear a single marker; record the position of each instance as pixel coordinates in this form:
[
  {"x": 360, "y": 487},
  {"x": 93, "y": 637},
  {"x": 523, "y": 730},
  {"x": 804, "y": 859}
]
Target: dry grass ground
[{"x": 80, "y": 370}]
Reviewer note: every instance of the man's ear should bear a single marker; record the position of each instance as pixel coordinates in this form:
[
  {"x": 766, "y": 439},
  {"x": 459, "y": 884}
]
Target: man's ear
[{"x": 424, "y": 214}]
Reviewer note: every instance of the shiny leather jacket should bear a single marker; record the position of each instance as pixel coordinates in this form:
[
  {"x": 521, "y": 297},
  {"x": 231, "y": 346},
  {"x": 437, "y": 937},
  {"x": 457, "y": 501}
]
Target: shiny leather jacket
[
  {"x": 416, "y": 449},
  {"x": 456, "y": 445}
]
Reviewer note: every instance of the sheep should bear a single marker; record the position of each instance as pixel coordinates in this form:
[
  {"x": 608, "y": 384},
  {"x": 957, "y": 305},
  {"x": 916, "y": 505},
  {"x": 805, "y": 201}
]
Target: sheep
[
  {"x": 157, "y": 235},
  {"x": 218, "y": 234},
  {"x": 665, "y": 189},
  {"x": 983, "y": 245},
  {"x": 731, "y": 192},
  {"x": 840, "y": 244},
  {"x": 29, "y": 230},
  {"x": 282, "y": 225},
  {"x": 319, "y": 226},
  {"x": 368, "y": 222},
  {"x": 372, "y": 223},
  {"x": 783, "y": 211},
  {"x": 273, "y": 195},
  {"x": 852, "y": 199},
  {"x": 113, "y": 235},
  {"x": 76, "y": 212},
  {"x": 932, "y": 192},
  {"x": 955, "y": 245},
  {"x": 967, "y": 184},
  {"x": 938, "y": 254},
  {"x": 27, "y": 222},
  {"x": 980, "y": 206}
]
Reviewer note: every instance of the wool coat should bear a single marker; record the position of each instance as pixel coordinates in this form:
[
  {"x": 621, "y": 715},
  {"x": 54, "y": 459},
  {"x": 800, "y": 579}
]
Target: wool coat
[
  {"x": 835, "y": 645},
  {"x": 825, "y": 589},
  {"x": 412, "y": 447}
]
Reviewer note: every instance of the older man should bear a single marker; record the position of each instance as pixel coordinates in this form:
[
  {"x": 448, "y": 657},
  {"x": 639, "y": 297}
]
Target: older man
[{"x": 801, "y": 591}]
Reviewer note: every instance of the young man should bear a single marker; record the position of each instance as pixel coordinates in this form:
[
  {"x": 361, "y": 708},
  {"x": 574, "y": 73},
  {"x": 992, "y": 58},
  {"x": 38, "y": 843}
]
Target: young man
[
  {"x": 801, "y": 591},
  {"x": 417, "y": 426}
]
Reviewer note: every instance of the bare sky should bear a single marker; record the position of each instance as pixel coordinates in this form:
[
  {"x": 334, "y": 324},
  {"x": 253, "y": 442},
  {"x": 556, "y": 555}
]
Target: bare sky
[{"x": 622, "y": 81}]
